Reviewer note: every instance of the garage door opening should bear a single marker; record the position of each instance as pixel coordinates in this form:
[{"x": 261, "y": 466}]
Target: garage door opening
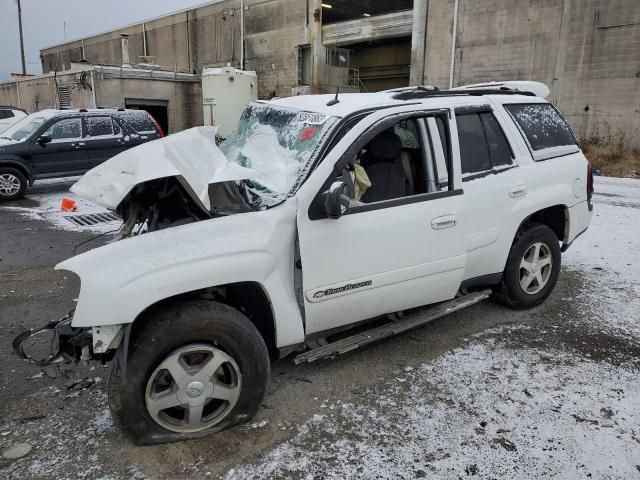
[
  {"x": 382, "y": 64},
  {"x": 158, "y": 109}
]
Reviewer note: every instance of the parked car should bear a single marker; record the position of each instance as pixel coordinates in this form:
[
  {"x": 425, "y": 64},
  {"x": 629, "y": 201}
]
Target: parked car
[
  {"x": 9, "y": 116},
  {"x": 64, "y": 143},
  {"x": 378, "y": 210}
]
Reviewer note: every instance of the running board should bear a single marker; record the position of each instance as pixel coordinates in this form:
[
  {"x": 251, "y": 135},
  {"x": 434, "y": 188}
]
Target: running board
[{"x": 397, "y": 327}]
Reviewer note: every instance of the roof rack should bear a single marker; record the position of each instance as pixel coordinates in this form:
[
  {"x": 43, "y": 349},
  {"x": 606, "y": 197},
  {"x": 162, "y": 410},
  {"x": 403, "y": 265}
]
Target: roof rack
[{"x": 417, "y": 92}]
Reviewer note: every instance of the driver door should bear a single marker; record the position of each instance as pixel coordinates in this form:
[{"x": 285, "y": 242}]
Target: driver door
[
  {"x": 387, "y": 255},
  {"x": 66, "y": 152}
]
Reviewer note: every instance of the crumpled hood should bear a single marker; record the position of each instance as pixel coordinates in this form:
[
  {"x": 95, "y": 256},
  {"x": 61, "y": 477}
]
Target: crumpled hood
[{"x": 191, "y": 156}]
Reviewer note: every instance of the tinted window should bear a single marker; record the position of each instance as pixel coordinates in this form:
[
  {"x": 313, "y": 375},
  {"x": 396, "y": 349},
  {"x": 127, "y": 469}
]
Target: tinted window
[
  {"x": 542, "y": 125},
  {"x": 4, "y": 114},
  {"x": 140, "y": 122},
  {"x": 499, "y": 149},
  {"x": 474, "y": 151},
  {"x": 67, "y": 129},
  {"x": 99, "y": 126}
]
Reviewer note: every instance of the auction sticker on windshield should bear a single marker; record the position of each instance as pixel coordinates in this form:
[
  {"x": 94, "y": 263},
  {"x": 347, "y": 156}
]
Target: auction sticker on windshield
[{"x": 312, "y": 118}]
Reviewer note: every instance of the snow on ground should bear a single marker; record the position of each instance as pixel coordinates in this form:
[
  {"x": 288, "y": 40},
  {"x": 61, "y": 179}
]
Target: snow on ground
[
  {"x": 608, "y": 254},
  {"x": 483, "y": 410},
  {"x": 43, "y": 202}
]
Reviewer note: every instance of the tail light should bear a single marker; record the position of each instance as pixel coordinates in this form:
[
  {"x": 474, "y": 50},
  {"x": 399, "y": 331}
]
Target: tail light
[
  {"x": 590, "y": 188},
  {"x": 157, "y": 125}
]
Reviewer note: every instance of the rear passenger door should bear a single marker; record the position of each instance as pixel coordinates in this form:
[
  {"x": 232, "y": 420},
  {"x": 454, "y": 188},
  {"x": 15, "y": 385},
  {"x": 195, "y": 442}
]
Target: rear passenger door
[
  {"x": 104, "y": 138},
  {"x": 493, "y": 185}
]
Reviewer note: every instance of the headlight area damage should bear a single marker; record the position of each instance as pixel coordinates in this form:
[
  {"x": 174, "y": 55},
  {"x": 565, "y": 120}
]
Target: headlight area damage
[{"x": 56, "y": 342}]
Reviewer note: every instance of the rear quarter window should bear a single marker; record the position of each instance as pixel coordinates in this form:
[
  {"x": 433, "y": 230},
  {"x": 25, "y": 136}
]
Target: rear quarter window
[
  {"x": 547, "y": 133},
  {"x": 140, "y": 122}
]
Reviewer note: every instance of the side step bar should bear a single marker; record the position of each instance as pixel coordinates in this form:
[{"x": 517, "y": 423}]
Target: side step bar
[{"x": 358, "y": 340}]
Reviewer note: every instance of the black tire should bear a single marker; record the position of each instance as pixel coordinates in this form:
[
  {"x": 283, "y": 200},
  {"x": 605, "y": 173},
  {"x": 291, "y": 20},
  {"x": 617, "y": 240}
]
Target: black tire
[
  {"x": 510, "y": 292},
  {"x": 194, "y": 322},
  {"x": 12, "y": 173}
]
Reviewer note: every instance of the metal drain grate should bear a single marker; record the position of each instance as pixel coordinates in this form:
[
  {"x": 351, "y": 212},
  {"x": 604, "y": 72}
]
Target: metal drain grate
[{"x": 92, "y": 219}]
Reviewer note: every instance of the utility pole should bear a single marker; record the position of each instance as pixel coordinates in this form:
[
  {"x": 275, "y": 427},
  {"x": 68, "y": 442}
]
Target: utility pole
[{"x": 24, "y": 67}]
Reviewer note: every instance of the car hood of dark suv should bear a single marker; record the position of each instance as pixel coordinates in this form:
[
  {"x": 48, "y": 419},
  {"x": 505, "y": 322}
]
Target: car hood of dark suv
[{"x": 10, "y": 146}]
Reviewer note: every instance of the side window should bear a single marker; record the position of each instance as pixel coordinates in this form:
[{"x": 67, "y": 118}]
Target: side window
[
  {"x": 483, "y": 145},
  {"x": 400, "y": 161},
  {"x": 100, "y": 126},
  {"x": 474, "y": 151},
  {"x": 66, "y": 129},
  {"x": 544, "y": 128},
  {"x": 4, "y": 114},
  {"x": 499, "y": 148},
  {"x": 117, "y": 130}
]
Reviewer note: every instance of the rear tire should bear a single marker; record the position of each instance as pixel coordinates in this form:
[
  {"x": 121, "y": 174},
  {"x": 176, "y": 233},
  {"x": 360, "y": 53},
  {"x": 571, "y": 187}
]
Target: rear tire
[
  {"x": 202, "y": 359},
  {"x": 13, "y": 184},
  {"x": 532, "y": 268}
]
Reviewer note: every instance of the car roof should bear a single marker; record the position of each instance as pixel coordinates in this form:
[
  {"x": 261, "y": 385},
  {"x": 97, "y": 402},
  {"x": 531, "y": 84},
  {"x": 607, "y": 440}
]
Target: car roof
[
  {"x": 51, "y": 112},
  {"x": 353, "y": 102},
  {"x": 10, "y": 107}
]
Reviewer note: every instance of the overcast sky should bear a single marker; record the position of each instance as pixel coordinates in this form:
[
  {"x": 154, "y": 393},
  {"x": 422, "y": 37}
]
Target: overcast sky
[{"x": 43, "y": 24}]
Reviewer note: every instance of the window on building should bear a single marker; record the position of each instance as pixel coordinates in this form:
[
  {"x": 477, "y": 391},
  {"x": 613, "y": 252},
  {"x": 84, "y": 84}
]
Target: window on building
[
  {"x": 304, "y": 64},
  {"x": 483, "y": 145},
  {"x": 99, "y": 126},
  {"x": 544, "y": 128}
]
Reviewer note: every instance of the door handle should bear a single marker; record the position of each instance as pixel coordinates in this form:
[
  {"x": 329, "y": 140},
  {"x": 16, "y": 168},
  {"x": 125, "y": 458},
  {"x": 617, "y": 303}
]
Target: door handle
[
  {"x": 445, "y": 221},
  {"x": 518, "y": 190}
]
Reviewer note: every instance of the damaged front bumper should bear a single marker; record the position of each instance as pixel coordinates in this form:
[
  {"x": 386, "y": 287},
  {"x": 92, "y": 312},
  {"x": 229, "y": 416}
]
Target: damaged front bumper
[{"x": 68, "y": 344}]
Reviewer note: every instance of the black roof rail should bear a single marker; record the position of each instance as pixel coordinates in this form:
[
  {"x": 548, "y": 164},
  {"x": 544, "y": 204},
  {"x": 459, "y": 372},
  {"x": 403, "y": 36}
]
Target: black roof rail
[
  {"x": 422, "y": 93},
  {"x": 83, "y": 110}
]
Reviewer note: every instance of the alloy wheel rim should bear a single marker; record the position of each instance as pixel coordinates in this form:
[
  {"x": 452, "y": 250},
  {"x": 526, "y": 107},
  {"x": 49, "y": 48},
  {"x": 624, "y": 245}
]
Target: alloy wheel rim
[
  {"x": 535, "y": 268},
  {"x": 9, "y": 184},
  {"x": 193, "y": 388}
]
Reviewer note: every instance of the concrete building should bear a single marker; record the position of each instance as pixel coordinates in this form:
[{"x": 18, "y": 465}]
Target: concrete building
[{"x": 587, "y": 51}]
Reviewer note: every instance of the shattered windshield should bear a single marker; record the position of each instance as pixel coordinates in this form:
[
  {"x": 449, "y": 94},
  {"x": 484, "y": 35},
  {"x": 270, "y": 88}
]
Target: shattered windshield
[
  {"x": 278, "y": 144},
  {"x": 23, "y": 129}
]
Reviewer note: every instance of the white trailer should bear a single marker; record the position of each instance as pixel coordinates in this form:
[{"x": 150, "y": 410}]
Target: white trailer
[{"x": 225, "y": 93}]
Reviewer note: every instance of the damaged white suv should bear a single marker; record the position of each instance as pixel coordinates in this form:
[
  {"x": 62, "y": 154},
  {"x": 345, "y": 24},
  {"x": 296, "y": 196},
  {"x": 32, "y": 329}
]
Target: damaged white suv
[{"x": 379, "y": 211}]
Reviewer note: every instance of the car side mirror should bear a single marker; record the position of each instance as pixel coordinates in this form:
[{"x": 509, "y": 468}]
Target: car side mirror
[
  {"x": 337, "y": 200},
  {"x": 42, "y": 139}
]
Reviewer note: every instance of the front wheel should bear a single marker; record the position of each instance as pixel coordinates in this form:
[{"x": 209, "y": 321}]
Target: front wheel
[
  {"x": 13, "y": 183},
  {"x": 193, "y": 370},
  {"x": 532, "y": 268}
]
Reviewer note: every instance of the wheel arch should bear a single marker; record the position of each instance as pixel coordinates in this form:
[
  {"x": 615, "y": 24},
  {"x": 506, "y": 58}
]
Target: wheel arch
[
  {"x": 8, "y": 162},
  {"x": 249, "y": 298},
  {"x": 555, "y": 217}
]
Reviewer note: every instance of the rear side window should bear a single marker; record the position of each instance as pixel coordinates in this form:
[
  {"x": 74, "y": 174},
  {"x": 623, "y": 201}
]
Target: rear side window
[
  {"x": 544, "y": 128},
  {"x": 4, "y": 114},
  {"x": 100, "y": 126},
  {"x": 483, "y": 145}
]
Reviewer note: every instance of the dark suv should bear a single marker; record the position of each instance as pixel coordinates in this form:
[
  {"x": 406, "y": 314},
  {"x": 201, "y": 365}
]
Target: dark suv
[{"x": 64, "y": 143}]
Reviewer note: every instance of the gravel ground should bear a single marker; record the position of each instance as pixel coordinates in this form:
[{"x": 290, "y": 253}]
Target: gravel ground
[{"x": 483, "y": 393}]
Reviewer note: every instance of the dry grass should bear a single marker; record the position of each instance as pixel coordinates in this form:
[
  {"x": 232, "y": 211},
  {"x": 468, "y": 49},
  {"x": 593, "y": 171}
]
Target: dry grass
[
  {"x": 613, "y": 159},
  {"x": 609, "y": 152}
]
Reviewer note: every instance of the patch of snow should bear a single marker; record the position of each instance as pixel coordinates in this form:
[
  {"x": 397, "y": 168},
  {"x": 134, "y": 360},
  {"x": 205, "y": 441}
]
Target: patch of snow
[
  {"x": 485, "y": 410},
  {"x": 48, "y": 195},
  {"x": 607, "y": 255}
]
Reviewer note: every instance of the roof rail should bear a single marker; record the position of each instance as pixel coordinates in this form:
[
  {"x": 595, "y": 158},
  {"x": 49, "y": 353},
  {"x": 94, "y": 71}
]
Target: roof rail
[
  {"x": 413, "y": 94},
  {"x": 537, "y": 88}
]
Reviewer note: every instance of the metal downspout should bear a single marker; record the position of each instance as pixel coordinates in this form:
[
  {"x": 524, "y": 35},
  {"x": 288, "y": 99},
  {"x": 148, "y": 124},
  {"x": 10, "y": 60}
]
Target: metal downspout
[{"x": 453, "y": 42}]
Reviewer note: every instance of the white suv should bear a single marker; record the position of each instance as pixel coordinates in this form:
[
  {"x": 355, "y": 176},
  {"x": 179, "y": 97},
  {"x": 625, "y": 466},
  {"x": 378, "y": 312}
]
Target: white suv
[
  {"x": 382, "y": 210},
  {"x": 9, "y": 116}
]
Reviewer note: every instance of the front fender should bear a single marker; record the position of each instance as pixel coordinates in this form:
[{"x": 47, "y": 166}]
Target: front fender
[
  {"x": 120, "y": 280},
  {"x": 19, "y": 163}
]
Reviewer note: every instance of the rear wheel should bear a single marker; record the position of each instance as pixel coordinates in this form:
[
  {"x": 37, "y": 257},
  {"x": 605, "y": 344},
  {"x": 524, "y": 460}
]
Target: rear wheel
[
  {"x": 193, "y": 370},
  {"x": 13, "y": 183},
  {"x": 532, "y": 268}
]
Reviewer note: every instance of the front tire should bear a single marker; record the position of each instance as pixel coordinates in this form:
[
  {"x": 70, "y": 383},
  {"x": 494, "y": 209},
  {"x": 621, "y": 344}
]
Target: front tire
[
  {"x": 13, "y": 184},
  {"x": 193, "y": 369},
  {"x": 532, "y": 268}
]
